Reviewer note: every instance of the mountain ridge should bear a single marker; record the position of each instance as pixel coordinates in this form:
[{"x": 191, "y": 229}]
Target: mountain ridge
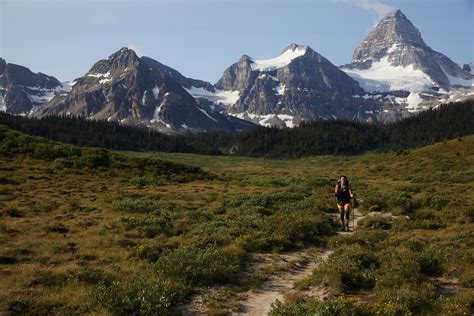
[{"x": 393, "y": 74}]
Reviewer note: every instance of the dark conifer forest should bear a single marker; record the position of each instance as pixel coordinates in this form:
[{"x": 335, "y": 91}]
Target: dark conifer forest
[{"x": 312, "y": 138}]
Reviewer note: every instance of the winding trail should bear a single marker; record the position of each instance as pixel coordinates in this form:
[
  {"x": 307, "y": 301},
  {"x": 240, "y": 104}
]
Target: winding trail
[{"x": 259, "y": 302}]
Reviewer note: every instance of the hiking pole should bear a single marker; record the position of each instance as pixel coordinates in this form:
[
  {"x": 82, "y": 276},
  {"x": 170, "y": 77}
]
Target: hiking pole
[
  {"x": 356, "y": 205},
  {"x": 353, "y": 219}
]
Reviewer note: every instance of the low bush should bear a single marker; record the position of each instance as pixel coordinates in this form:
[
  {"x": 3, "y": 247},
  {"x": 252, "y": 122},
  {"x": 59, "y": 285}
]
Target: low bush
[
  {"x": 58, "y": 228},
  {"x": 342, "y": 306},
  {"x": 49, "y": 279},
  {"x": 199, "y": 265},
  {"x": 148, "y": 226},
  {"x": 5, "y": 180},
  {"x": 94, "y": 276},
  {"x": 143, "y": 205},
  {"x": 373, "y": 203},
  {"x": 13, "y": 212},
  {"x": 348, "y": 269},
  {"x": 142, "y": 295},
  {"x": 375, "y": 222}
]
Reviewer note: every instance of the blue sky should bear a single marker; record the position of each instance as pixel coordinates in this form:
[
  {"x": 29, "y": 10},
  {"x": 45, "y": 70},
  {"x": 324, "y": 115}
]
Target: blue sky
[{"x": 201, "y": 38}]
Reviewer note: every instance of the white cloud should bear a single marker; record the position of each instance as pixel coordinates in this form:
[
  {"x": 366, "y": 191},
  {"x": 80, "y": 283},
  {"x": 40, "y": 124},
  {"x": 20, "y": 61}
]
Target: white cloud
[
  {"x": 373, "y": 6},
  {"x": 137, "y": 49}
]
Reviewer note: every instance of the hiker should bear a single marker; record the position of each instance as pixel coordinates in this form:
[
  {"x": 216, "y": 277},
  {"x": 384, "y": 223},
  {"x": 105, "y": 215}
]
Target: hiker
[{"x": 343, "y": 194}]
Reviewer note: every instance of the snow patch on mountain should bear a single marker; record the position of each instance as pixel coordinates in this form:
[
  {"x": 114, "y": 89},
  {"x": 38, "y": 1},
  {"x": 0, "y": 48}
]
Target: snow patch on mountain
[
  {"x": 99, "y": 75},
  {"x": 225, "y": 97},
  {"x": 267, "y": 120},
  {"x": 156, "y": 116},
  {"x": 207, "y": 114},
  {"x": 383, "y": 76},
  {"x": 40, "y": 95},
  {"x": 66, "y": 86},
  {"x": 278, "y": 62},
  {"x": 280, "y": 89},
  {"x": 156, "y": 92},
  {"x": 3, "y": 106},
  {"x": 455, "y": 81}
]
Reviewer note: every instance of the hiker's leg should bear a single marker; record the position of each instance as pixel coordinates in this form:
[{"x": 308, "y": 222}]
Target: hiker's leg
[
  {"x": 341, "y": 213},
  {"x": 347, "y": 210}
]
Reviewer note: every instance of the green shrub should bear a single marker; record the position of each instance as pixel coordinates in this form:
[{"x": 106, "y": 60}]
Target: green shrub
[
  {"x": 399, "y": 267},
  {"x": 58, "y": 228},
  {"x": 140, "y": 181},
  {"x": 199, "y": 265},
  {"x": 348, "y": 269},
  {"x": 13, "y": 212},
  {"x": 298, "y": 309},
  {"x": 48, "y": 150},
  {"x": 94, "y": 276},
  {"x": 63, "y": 163},
  {"x": 49, "y": 279},
  {"x": 374, "y": 203},
  {"x": 399, "y": 203},
  {"x": 142, "y": 205},
  {"x": 435, "y": 202},
  {"x": 93, "y": 158},
  {"x": 5, "y": 180},
  {"x": 148, "y": 226},
  {"x": 142, "y": 295},
  {"x": 431, "y": 263},
  {"x": 375, "y": 222},
  {"x": 456, "y": 304},
  {"x": 342, "y": 307}
]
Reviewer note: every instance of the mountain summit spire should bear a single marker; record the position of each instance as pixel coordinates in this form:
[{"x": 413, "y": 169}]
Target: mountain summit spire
[{"x": 393, "y": 29}]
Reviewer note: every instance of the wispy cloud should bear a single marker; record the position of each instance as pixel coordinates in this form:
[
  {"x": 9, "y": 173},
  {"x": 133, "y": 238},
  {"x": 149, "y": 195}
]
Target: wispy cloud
[{"x": 376, "y": 7}]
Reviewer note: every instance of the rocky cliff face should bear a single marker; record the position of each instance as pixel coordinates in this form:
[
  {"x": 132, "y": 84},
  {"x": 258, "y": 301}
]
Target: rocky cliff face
[
  {"x": 297, "y": 85},
  {"x": 394, "y": 57},
  {"x": 142, "y": 92},
  {"x": 22, "y": 90}
]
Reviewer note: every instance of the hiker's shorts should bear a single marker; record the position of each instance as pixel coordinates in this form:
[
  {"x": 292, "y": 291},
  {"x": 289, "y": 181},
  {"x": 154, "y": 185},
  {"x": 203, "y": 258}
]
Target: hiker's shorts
[{"x": 342, "y": 202}]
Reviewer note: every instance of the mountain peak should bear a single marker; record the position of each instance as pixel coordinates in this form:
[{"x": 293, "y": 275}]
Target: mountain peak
[
  {"x": 121, "y": 59},
  {"x": 395, "y": 27},
  {"x": 124, "y": 54},
  {"x": 393, "y": 30},
  {"x": 246, "y": 58},
  {"x": 287, "y": 56},
  {"x": 3, "y": 65},
  {"x": 396, "y": 14},
  {"x": 294, "y": 46}
]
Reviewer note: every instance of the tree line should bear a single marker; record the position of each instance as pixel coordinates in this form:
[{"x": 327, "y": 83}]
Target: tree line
[{"x": 319, "y": 137}]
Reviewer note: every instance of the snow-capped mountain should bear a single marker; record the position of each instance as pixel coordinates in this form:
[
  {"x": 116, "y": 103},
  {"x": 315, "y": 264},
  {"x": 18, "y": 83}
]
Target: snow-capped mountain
[
  {"x": 393, "y": 74},
  {"x": 394, "y": 57},
  {"x": 22, "y": 90},
  {"x": 142, "y": 92},
  {"x": 299, "y": 84}
]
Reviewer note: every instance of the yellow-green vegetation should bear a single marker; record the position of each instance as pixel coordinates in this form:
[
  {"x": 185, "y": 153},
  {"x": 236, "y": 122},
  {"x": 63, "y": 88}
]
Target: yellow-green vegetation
[{"x": 94, "y": 231}]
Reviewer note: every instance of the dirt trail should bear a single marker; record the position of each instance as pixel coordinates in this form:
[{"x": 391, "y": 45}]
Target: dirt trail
[{"x": 258, "y": 302}]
